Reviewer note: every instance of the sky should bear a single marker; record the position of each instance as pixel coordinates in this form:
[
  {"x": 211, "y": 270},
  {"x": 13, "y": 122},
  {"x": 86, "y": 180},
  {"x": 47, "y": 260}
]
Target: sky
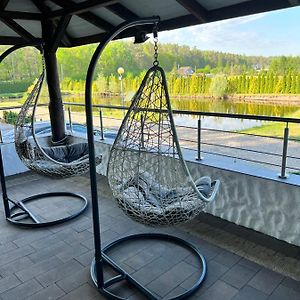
[{"x": 267, "y": 34}]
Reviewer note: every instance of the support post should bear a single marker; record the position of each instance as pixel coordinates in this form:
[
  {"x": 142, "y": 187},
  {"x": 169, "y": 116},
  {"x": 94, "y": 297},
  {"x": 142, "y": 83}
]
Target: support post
[
  {"x": 101, "y": 124},
  {"x": 282, "y": 174},
  {"x": 56, "y": 109},
  {"x": 199, "y": 140},
  {"x": 70, "y": 119}
]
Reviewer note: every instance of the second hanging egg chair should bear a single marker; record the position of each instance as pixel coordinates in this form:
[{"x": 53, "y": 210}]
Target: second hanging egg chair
[
  {"x": 39, "y": 153},
  {"x": 147, "y": 172}
]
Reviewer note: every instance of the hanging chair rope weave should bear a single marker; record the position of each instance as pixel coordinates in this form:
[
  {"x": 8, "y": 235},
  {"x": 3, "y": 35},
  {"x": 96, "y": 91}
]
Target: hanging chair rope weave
[
  {"x": 146, "y": 171},
  {"x": 59, "y": 161}
]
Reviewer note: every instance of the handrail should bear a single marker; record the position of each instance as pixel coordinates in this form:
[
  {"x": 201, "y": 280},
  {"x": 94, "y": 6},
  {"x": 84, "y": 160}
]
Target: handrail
[
  {"x": 198, "y": 113},
  {"x": 184, "y": 112}
]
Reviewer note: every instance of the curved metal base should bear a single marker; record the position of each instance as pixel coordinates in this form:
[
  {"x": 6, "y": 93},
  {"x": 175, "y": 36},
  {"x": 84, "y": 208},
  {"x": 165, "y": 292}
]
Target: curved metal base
[
  {"x": 123, "y": 275},
  {"x": 17, "y": 217}
]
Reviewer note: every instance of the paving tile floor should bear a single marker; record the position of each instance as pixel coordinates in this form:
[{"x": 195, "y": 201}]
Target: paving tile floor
[{"x": 54, "y": 262}]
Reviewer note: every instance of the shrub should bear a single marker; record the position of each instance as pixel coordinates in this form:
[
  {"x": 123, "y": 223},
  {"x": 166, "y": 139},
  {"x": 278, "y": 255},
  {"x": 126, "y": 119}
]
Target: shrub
[
  {"x": 10, "y": 117},
  {"x": 218, "y": 86}
]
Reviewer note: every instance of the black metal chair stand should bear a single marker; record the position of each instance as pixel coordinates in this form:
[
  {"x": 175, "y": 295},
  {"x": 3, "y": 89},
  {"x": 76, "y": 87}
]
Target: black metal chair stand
[
  {"x": 101, "y": 257},
  {"x": 18, "y": 211},
  {"x": 125, "y": 276}
]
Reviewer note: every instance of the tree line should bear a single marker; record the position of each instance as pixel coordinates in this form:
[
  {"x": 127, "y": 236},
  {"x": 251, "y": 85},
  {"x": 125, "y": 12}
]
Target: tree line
[
  {"x": 234, "y": 73},
  {"x": 195, "y": 85}
]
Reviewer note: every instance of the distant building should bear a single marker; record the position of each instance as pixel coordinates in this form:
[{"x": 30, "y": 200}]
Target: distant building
[
  {"x": 185, "y": 71},
  {"x": 257, "y": 67}
]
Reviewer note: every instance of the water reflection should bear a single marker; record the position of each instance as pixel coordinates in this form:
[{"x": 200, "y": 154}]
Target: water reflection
[{"x": 204, "y": 105}]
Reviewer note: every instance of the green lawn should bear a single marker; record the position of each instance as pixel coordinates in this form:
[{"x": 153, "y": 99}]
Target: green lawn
[
  {"x": 9, "y": 103},
  {"x": 276, "y": 128}
]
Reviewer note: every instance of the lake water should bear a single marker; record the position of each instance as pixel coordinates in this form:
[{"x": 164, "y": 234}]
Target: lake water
[{"x": 206, "y": 105}]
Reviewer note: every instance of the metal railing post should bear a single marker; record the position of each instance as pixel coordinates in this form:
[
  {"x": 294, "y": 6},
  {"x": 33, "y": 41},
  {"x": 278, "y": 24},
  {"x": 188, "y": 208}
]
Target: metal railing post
[
  {"x": 101, "y": 124},
  {"x": 70, "y": 119},
  {"x": 282, "y": 174},
  {"x": 142, "y": 132},
  {"x": 199, "y": 140}
]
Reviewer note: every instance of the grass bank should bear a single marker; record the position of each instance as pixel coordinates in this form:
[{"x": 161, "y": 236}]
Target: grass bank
[{"x": 276, "y": 129}]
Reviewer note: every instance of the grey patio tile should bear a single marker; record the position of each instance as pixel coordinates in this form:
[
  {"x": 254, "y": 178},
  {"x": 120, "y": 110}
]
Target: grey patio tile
[
  {"x": 38, "y": 268},
  {"x": 72, "y": 252},
  {"x": 75, "y": 280},
  {"x": 22, "y": 291},
  {"x": 72, "y": 237},
  {"x": 145, "y": 256},
  {"x": 86, "y": 258},
  {"x": 153, "y": 270},
  {"x": 51, "y": 292},
  {"x": 249, "y": 293},
  {"x": 47, "y": 252},
  {"x": 227, "y": 258},
  {"x": 84, "y": 224},
  {"x": 8, "y": 283},
  {"x": 266, "y": 281},
  {"x": 4, "y": 248},
  {"x": 238, "y": 276},
  {"x": 29, "y": 236},
  {"x": 59, "y": 272},
  {"x": 15, "y": 254},
  {"x": 290, "y": 283},
  {"x": 44, "y": 242},
  {"x": 250, "y": 264},
  {"x": 15, "y": 266},
  {"x": 282, "y": 293},
  {"x": 34, "y": 255},
  {"x": 174, "y": 293},
  {"x": 86, "y": 292},
  {"x": 171, "y": 279},
  {"x": 220, "y": 290}
]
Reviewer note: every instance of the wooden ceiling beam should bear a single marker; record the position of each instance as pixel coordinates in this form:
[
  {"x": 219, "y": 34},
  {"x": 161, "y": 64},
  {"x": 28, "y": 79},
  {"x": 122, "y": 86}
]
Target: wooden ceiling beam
[
  {"x": 20, "y": 15},
  {"x": 79, "y": 8},
  {"x": 3, "y": 4},
  {"x": 87, "y": 16},
  {"x": 41, "y": 6},
  {"x": 246, "y": 8},
  {"x": 60, "y": 33},
  {"x": 195, "y": 9},
  {"x": 19, "y": 30},
  {"x": 122, "y": 11},
  {"x": 13, "y": 40}
]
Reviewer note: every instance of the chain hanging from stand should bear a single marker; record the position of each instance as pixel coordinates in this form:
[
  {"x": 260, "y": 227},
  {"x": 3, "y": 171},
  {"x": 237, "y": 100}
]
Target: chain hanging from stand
[{"x": 155, "y": 35}]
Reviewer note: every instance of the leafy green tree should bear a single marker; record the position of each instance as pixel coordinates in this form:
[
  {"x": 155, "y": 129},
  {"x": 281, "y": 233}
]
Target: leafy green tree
[{"x": 218, "y": 86}]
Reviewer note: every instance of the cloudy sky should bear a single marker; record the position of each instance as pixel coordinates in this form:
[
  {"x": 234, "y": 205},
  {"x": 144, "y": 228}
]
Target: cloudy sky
[{"x": 273, "y": 33}]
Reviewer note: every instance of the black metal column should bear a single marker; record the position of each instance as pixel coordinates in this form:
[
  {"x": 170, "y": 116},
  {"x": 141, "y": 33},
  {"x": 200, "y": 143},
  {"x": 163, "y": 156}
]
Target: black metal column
[{"x": 56, "y": 110}]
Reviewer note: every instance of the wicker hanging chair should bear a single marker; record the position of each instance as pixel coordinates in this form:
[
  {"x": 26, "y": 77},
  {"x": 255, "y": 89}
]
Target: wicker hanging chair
[
  {"x": 146, "y": 171},
  {"x": 65, "y": 160}
]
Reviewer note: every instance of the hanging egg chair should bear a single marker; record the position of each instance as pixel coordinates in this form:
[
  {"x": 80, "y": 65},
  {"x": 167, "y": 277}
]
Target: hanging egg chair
[
  {"x": 38, "y": 153},
  {"x": 146, "y": 172}
]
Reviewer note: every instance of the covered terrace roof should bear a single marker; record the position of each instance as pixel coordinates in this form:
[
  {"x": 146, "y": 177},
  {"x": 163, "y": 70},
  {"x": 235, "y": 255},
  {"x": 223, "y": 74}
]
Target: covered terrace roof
[{"x": 80, "y": 22}]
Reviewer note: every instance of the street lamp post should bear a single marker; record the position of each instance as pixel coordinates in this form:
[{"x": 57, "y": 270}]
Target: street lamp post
[{"x": 121, "y": 72}]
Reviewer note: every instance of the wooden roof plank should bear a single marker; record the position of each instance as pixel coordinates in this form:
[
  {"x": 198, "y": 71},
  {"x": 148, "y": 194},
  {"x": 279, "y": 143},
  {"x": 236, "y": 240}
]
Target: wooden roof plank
[
  {"x": 195, "y": 9},
  {"x": 60, "y": 32},
  {"x": 79, "y": 8},
  {"x": 18, "y": 29},
  {"x": 122, "y": 11},
  {"x": 21, "y": 15},
  {"x": 87, "y": 16}
]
